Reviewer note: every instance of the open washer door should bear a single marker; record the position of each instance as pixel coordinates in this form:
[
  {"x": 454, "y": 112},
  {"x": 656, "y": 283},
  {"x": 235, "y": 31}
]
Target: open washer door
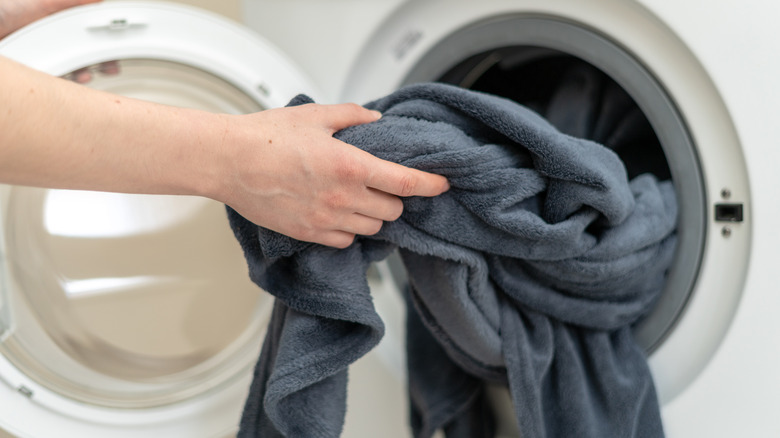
[{"x": 124, "y": 315}]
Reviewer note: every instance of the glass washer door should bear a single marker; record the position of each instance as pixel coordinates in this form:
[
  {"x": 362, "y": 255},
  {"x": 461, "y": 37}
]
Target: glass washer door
[
  {"x": 136, "y": 301},
  {"x": 131, "y": 300}
]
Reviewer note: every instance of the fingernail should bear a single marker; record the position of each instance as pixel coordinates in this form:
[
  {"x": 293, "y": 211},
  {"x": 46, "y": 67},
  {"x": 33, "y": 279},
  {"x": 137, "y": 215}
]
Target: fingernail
[{"x": 377, "y": 114}]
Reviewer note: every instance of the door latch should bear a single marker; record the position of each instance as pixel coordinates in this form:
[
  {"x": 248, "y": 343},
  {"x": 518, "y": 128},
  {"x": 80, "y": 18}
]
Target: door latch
[
  {"x": 729, "y": 213},
  {"x": 117, "y": 25}
]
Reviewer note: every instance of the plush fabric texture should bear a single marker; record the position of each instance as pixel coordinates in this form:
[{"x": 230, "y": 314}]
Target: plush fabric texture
[{"x": 528, "y": 272}]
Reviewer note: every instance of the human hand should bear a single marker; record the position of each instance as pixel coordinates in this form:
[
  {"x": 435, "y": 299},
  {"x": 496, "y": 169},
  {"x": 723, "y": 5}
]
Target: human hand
[
  {"x": 15, "y": 14},
  {"x": 281, "y": 169},
  {"x": 85, "y": 75},
  {"x": 290, "y": 175}
]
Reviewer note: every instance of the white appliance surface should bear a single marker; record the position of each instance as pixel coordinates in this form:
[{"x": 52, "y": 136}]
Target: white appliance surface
[{"x": 715, "y": 367}]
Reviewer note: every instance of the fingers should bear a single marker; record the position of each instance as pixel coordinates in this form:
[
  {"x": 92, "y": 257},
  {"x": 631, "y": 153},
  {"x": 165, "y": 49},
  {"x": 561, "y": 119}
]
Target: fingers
[
  {"x": 86, "y": 74},
  {"x": 335, "y": 239},
  {"x": 363, "y": 225},
  {"x": 380, "y": 205},
  {"x": 403, "y": 181},
  {"x": 373, "y": 210},
  {"x": 385, "y": 176},
  {"x": 356, "y": 224}
]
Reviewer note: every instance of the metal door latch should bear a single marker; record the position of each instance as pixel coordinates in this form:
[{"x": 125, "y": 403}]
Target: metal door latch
[{"x": 728, "y": 213}]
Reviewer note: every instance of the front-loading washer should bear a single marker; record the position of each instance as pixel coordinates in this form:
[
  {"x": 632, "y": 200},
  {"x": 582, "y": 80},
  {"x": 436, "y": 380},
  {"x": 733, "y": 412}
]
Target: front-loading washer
[
  {"x": 714, "y": 374},
  {"x": 129, "y": 315},
  {"x": 704, "y": 79}
]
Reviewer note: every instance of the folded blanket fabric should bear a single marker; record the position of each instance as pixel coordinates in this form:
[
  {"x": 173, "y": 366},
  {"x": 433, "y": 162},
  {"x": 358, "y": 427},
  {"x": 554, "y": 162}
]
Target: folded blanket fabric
[{"x": 528, "y": 272}]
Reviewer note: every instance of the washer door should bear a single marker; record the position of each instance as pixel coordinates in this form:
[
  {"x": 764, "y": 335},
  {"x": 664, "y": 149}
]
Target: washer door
[{"x": 124, "y": 313}]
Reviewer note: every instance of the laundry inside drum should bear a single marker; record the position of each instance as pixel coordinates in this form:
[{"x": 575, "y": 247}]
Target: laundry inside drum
[
  {"x": 584, "y": 101},
  {"x": 574, "y": 96}
]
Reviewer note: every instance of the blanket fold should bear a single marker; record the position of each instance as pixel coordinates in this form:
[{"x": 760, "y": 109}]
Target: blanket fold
[{"x": 528, "y": 272}]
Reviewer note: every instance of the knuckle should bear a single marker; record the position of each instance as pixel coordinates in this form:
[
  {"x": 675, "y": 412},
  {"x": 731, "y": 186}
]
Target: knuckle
[
  {"x": 354, "y": 107},
  {"x": 335, "y": 200},
  {"x": 349, "y": 170},
  {"x": 407, "y": 185},
  {"x": 355, "y": 112}
]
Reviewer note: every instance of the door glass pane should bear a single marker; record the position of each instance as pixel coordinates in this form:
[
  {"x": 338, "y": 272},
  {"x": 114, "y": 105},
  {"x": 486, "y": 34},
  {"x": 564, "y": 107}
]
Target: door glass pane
[{"x": 131, "y": 300}]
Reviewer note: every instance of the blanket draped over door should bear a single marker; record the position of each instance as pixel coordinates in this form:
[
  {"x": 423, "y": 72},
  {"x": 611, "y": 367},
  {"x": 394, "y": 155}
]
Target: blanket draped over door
[{"x": 529, "y": 272}]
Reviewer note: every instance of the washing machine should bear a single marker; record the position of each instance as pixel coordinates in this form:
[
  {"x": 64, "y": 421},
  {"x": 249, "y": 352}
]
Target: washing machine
[
  {"x": 123, "y": 315},
  {"x": 702, "y": 76}
]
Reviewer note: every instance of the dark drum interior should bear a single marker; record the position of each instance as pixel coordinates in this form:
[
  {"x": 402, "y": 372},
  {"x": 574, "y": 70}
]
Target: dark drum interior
[{"x": 576, "y": 97}]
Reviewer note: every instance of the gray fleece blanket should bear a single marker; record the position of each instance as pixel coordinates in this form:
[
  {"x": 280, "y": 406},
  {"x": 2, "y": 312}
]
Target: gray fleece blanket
[{"x": 528, "y": 272}]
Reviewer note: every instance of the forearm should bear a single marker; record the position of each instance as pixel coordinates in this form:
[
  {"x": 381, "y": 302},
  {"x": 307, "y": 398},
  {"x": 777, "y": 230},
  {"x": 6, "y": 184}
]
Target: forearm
[{"x": 62, "y": 135}]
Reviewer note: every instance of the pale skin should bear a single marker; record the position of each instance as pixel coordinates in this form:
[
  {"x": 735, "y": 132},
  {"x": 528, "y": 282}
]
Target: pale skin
[{"x": 280, "y": 168}]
